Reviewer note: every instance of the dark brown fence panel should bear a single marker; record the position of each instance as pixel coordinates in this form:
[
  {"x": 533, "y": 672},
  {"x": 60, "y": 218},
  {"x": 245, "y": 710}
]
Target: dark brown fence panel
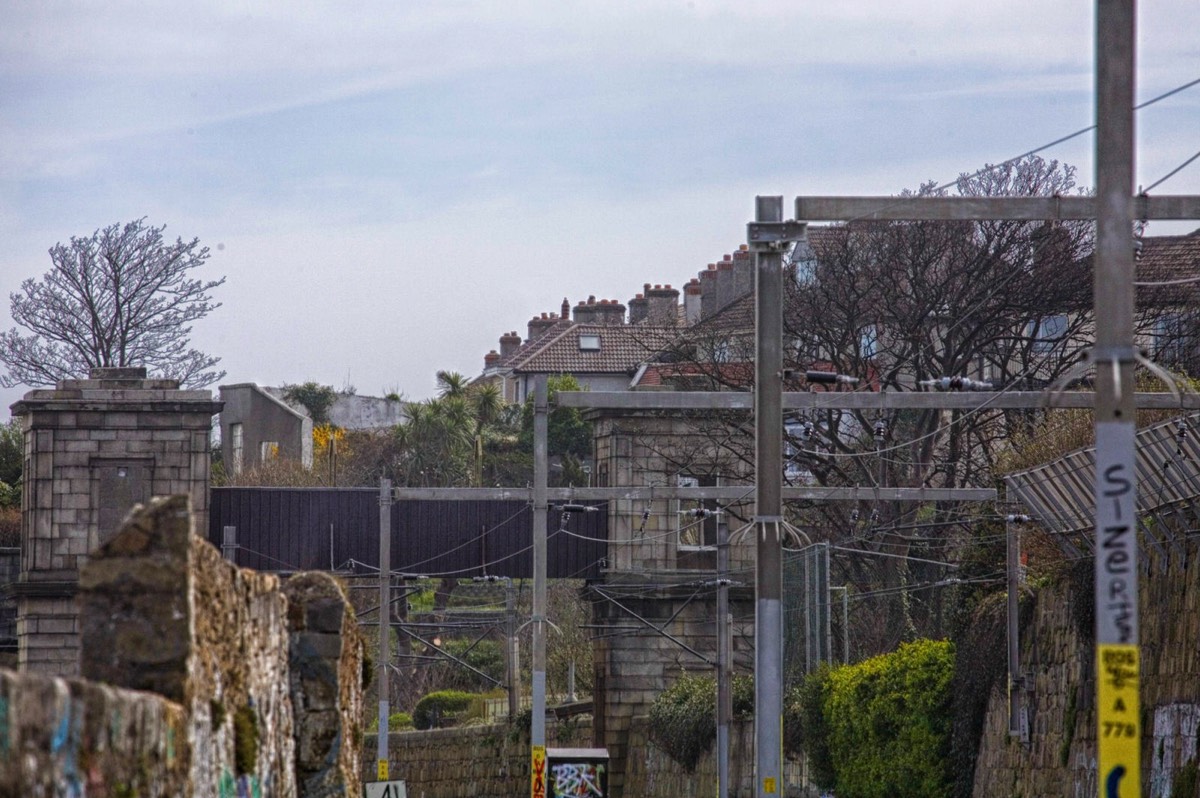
[{"x": 291, "y": 529}]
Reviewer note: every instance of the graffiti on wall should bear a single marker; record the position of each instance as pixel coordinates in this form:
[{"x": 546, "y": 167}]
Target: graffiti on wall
[
  {"x": 577, "y": 780},
  {"x": 1175, "y": 727}
]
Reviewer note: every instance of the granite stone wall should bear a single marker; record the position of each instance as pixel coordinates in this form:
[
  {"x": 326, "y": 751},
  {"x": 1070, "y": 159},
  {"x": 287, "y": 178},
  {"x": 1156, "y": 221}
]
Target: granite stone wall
[
  {"x": 469, "y": 762},
  {"x": 1057, "y": 651},
  {"x": 633, "y": 667},
  {"x": 93, "y": 449},
  {"x": 268, "y": 678},
  {"x": 63, "y": 737}
]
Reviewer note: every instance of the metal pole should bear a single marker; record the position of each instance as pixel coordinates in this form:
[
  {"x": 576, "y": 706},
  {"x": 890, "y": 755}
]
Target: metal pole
[
  {"x": 724, "y": 661},
  {"x": 229, "y": 544},
  {"x": 513, "y": 660},
  {"x": 845, "y": 625},
  {"x": 540, "y": 469},
  {"x": 385, "y": 602},
  {"x": 1014, "y": 659},
  {"x": 1117, "y": 653},
  {"x": 827, "y": 606},
  {"x": 768, "y": 433}
]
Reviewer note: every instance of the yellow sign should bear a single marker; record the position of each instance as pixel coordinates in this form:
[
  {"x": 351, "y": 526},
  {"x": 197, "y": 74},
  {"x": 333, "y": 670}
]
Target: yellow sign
[
  {"x": 769, "y": 786},
  {"x": 381, "y": 773},
  {"x": 1118, "y": 733},
  {"x": 537, "y": 772}
]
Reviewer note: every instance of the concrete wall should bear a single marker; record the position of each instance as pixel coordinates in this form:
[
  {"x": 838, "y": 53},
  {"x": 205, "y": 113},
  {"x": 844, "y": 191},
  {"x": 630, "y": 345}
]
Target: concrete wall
[
  {"x": 1057, "y": 762},
  {"x": 93, "y": 449},
  {"x": 263, "y": 419}
]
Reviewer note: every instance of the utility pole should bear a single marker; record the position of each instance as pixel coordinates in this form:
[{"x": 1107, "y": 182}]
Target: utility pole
[
  {"x": 540, "y": 506},
  {"x": 385, "y": 627},
  {"x": 1015, "y": 682},
  {"x": 724, "y": 660},
  {"x": 1118, "y": 715},
  {"x": 767, "y": 237},
  {"x": 513, "y": 660}
]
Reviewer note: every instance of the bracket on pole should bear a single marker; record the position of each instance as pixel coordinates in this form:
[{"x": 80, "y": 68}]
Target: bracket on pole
[{"x": 769, "y": 235}]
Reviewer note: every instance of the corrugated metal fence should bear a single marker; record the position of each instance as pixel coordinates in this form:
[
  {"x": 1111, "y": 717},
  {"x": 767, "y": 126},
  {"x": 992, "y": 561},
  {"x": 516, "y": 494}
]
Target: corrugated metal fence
[{"x": 292, "y": 529}]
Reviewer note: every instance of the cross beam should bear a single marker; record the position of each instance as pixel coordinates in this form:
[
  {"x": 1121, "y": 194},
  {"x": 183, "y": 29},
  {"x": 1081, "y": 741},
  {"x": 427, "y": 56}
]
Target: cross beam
[
  {"x": 853, "y": 400},
  {"x": 1180, "y": 207}
]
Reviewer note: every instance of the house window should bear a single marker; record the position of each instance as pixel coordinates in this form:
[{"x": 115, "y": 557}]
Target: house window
[
  {"x": 1047, "y": 332},
  {"x": 697, "y": 532},
  {"x": 868, "y": 341},
  {"x": 589, "y": 342},
  {"x": 268, "y": 450},
  {"x": 1175, "y": 339},
  {"x": 237, "y": 447}
]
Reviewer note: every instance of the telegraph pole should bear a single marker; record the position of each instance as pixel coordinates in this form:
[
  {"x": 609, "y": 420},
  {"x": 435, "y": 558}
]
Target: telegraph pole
[
  {"x": 1118, "y": 715},
  {"x": 1015, "y": 683},
  {"x": 385, "y": 627},
  {"x": 768, "y": 479},
  {"x": 540, "y": 506},
  {"x": 724, "y": 660}
]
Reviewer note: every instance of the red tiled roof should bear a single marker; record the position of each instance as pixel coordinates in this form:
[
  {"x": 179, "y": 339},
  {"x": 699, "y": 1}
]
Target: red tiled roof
[
  {"x": 1167, "y": 259},
  {"x": 622, "y": 348}
]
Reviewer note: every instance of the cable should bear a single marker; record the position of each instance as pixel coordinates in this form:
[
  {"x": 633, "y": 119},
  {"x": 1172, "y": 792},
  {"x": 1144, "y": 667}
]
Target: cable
[
  {"x": 1036, "y": 150},
  {"x": 1169, "y": 174}
]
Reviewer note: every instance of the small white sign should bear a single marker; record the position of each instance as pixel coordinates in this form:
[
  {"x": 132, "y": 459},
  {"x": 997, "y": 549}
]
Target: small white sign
[{"x": 386, "y": 789}]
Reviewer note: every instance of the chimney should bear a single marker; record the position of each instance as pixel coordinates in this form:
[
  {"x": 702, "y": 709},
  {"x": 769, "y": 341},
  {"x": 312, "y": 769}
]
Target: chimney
[
  {"x": 538, "y": 326},
  {"x": 638, "y": 308},
  {"x": 600, "y": 311},
  {"x": 724, "y": 282},
  {"x": 585, "y": 312},
  {"x": 662, "y": 305},
  {"x": 566, "y": 309},
  {"x": 509, "y": 343},
  {"x": 708, "y": 291},
  {"x": 691, "y": 301},
  {"x": 610, "y": 312},
  {"x": 743, "y": 273},
  {"x": 491, "y": 360}
]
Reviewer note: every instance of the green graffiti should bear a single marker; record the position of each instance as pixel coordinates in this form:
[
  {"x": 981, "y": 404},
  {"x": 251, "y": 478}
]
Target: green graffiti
[
  {"x": 5, "y": 742},
  {"x": 228, "y": 786},
  {"x": 170, "y": 744}
]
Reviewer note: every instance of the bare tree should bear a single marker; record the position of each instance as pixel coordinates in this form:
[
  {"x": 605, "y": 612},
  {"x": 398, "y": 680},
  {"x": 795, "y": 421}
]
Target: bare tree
[
  {"x": 895, "y": 304},
  {"x": 120, "y": 297}
]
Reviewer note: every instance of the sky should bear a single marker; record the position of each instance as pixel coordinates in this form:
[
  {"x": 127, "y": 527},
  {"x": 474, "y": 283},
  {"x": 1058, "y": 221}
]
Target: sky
[{"x": 388, "y": 187}]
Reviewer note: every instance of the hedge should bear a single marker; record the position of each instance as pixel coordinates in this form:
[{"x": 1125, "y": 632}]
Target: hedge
[{"x": 888, "y": 721}]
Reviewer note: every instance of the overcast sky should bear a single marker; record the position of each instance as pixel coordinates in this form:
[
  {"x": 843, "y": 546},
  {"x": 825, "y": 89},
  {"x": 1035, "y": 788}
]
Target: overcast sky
[{"x": 390, "y": 186}]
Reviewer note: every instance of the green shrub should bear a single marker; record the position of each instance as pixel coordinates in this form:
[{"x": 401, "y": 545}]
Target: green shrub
[
  {"x": 889, "y": 724},
  {"x": 485, "y": 655},
  {"x": 805, "y": 730},
  {"x": 397, "y": 721},
  {"x": 683, "y": 720},
  {"x": 441, "y": 708}
]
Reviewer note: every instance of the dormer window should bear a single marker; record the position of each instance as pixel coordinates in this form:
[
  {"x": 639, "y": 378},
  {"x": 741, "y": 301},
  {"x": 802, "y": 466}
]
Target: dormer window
[{"x": 589, "y": 342}]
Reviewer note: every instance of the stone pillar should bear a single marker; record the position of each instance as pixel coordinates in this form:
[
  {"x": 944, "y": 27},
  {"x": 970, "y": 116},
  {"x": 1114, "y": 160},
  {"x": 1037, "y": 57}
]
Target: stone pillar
[{"x": 93, "y": 449}]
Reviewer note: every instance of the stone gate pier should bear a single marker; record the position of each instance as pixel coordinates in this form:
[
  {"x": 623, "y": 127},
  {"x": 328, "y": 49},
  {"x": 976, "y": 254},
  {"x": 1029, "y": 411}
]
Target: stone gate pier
[{"x": 93, "y": 449}]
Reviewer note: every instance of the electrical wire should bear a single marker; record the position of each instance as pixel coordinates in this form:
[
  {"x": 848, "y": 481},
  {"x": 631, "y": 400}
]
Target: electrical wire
[
  {"x": 1169, "y": 174},
  {"x": 1036, "y": 150}
]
